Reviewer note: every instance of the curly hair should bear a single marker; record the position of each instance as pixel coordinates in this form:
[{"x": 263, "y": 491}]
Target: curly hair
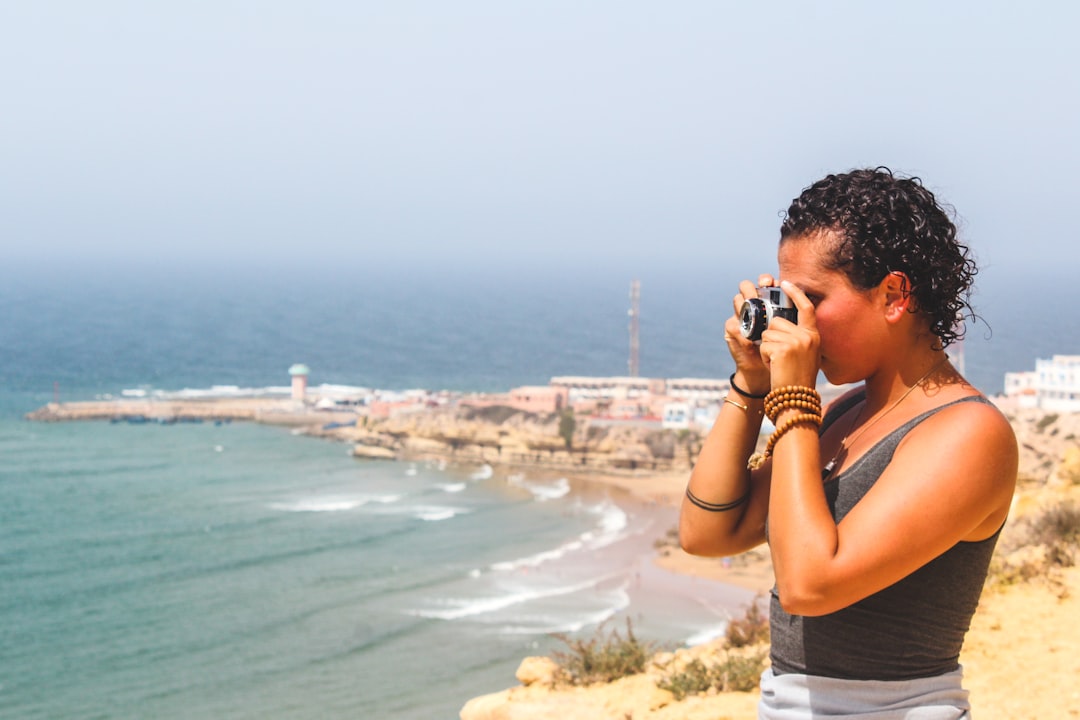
[{"x": 884, "y": 224}]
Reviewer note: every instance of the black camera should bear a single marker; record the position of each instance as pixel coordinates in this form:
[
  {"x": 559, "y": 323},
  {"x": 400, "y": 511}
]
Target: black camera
[{"x": 757, "y": 313}]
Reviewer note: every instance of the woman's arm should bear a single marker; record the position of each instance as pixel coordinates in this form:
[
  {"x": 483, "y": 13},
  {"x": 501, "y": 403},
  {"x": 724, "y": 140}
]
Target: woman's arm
[
  {"x": 950, "y": 480},
  {"x": 720, "y": 477}
]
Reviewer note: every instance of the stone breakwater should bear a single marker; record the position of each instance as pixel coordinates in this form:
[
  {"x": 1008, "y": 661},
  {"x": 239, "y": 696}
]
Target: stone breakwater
[
  {"x": 271, "y": 411},
  {"x": 492, "y": 435}
]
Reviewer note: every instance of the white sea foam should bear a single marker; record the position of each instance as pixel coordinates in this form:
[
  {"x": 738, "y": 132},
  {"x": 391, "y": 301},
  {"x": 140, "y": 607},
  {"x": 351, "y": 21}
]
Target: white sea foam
[
  {"x": 485, "y": 472},
  {"x": 436, "y": 513},
  {"x": 458, "y": 608},
  {"x": 429, "y": 513},
  {"x": 214, "y": 391},
  {"x": 332, "y": 503},
  {"x": 539, "y": 558},
  {"x": 451, "y": 487},
  {"x": 706, "y": 635},
  {"x": 551, "y": 625},
  {"x": 610, "y": 529},
  {"x": 541, "y": 491},
  {"x": 613, "y": 522}
]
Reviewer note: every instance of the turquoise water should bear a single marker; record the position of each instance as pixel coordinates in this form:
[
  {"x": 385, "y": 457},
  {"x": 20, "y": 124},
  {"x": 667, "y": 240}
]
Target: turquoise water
[{"x": 240, "y": 571}]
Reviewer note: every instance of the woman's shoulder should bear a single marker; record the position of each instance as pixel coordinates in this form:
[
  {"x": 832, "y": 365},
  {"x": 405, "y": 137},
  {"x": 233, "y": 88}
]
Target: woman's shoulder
[
  {"x": 964, "y": 417},
  {"x": 964, "y": 401}
]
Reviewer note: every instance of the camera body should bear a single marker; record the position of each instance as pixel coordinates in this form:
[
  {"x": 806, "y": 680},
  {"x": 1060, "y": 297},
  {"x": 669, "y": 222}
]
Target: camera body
[{"x": 758, "y": 313}]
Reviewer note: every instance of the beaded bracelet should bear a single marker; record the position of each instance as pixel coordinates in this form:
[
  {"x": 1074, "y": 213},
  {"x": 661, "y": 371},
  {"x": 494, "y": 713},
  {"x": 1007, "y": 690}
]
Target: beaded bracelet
[
  {"x": 758, "y": 459},
  {"x": 792, "y": 396}
]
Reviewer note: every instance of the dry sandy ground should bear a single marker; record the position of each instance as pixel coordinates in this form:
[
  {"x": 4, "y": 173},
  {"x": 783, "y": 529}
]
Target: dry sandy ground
[{"x": 1022, "y": 655}]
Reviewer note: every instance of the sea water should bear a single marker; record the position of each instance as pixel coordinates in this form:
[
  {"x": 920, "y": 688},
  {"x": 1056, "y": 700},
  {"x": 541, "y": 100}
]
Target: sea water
[{"x": 241, "y": 571}]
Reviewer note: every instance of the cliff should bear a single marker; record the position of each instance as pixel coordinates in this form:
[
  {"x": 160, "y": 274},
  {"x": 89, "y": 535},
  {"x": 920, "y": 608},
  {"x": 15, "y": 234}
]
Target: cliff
[{"x": 504, "y": 436}]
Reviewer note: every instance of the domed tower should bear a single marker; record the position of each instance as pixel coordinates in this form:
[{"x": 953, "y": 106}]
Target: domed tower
[{"x": 299, "y": 375}]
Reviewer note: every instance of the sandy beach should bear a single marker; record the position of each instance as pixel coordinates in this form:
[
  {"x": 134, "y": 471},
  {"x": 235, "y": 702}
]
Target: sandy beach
[{"x": 1022, "y": 653}]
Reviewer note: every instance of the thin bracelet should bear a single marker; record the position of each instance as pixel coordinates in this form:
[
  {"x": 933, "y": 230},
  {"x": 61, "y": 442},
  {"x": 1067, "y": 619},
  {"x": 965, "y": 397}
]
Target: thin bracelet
[
  {"x": 744, "y": 393},
  {"x": 716, "y": 507},
  {"x": 739, "y": 405}
]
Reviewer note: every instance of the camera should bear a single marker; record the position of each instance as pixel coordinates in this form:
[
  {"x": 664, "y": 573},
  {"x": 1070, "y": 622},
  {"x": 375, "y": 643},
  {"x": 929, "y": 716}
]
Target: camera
[{"x": 757, "y": 313}]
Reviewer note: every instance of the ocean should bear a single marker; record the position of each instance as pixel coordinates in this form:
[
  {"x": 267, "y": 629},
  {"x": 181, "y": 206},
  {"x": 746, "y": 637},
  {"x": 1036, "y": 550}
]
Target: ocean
[{"x": 242, "y": 571}]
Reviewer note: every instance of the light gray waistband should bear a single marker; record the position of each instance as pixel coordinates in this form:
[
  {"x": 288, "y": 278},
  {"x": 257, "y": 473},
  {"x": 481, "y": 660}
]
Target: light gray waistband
[{"x": 802, "y": 697}]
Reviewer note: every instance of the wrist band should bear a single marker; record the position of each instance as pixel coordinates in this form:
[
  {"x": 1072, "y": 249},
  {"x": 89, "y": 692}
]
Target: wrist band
[
  {"x": 739, "y": 405},
  {"x": 745, "y": 394},
  {"x": 716, "y": 507},
  {"x": 758, "y": 459},
  {"x": 798, "y": 397}
]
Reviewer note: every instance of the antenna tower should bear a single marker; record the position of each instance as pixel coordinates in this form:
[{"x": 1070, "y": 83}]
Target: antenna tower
[{"x": 635, "y": 299}]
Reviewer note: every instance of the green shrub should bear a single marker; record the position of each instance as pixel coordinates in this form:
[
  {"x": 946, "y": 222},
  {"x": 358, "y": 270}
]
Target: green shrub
[
  {"x": 751, "y": 629},
  {"x": 694, "y": 679},
  {"x": 600, "y": 658},
  {"x": 736, "y": 672},
  {"x": 1058, "y": 529},
  {"x": 1045, "y": 421}
]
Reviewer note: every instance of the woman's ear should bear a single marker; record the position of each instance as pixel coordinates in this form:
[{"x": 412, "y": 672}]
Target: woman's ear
[{"x": 897, "y": 292}]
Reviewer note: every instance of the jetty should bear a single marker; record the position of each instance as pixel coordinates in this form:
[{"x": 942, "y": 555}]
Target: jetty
[{"x": 270, "y": 411}]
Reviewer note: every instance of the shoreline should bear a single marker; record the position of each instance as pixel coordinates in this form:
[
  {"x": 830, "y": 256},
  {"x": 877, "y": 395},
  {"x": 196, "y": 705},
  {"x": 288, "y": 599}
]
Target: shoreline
[
  {"x": 656, "y": 486},
  {"x": 751, "y": 570}
]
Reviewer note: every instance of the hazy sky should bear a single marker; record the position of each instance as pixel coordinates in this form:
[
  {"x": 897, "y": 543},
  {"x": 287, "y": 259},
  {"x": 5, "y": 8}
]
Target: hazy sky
[{"x": 632, "y": 134}]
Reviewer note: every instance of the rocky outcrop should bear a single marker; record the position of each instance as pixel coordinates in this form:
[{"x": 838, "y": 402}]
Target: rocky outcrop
[
  {"x": 1049, "y": 446},
  {"x": 638, "y": 697},
  {"x": 504, "y": 436}
]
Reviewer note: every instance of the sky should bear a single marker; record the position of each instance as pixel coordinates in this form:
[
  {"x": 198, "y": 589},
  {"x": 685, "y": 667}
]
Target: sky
[{"x": 495, "y": 135}]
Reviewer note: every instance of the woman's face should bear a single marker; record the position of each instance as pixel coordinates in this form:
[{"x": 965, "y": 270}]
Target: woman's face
[{"x": 850, "y": 321}]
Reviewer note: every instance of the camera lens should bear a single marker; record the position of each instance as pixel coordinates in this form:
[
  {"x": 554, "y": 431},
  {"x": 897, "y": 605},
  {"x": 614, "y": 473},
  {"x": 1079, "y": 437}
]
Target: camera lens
[{"x": 752, "y": 319}]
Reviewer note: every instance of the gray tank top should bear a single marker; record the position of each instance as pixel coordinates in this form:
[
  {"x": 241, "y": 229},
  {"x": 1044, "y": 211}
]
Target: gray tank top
[{"x": 911, "y": 629}]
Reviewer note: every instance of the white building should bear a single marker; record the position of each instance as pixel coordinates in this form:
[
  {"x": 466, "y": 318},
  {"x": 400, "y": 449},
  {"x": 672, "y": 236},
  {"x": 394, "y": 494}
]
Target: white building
[
  {"x": 698, "y": 390},
  {"x": 1054, "y": 385},
  {"x": 601, "y": 388}
]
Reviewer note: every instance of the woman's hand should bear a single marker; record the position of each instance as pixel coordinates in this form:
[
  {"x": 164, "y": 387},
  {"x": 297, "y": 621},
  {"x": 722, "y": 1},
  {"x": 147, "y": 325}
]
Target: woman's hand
[
  {"x": 791, "y": 351},
  {"x": 746, "y": 354}
]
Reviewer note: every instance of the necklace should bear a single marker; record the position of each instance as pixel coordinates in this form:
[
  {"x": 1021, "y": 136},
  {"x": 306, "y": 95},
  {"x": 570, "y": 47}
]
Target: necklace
[{"x": 831, "y": 465}]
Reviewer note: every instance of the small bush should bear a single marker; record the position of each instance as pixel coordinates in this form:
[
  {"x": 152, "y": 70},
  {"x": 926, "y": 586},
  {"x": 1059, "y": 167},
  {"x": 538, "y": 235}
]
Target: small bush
[
  {"x": 1043, "y": 543},
  {"x": 740, "y": 667},
  {"x": 1009, "y": 571},
  {"x": 1058, "y": 529},
  {"x": 601, "y": 659},
  {"x": 734, "y": 673},
  {"x": 751, "y": 629},
  {"x": 1045, "y": 421}
]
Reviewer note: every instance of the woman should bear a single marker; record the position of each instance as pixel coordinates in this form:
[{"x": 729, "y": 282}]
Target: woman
[{"x": 881, "y": 513}]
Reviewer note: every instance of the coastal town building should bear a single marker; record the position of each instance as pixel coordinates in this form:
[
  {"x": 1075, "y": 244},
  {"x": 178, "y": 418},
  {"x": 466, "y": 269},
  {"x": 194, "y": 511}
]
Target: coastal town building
[
  {"x": 1054, "y": 385},
  {"x": 538, "y": 399}
]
